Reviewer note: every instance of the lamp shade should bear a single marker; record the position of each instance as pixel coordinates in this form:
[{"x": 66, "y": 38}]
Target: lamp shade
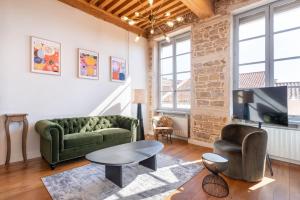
[{"x": 138, "y": 96}]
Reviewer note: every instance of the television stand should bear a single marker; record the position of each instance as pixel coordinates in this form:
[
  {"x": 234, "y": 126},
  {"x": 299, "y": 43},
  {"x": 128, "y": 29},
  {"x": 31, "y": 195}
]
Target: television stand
[{"x": 268, "y": 156}]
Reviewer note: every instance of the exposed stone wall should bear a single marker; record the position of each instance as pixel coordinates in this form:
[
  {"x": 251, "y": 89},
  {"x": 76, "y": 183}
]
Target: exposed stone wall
[{"x": 211, "y": 64}]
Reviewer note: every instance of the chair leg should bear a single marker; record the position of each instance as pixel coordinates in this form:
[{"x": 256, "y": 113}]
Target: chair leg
[
  {"x": 170, "y": 138},
  {"x": 270, "y": 164}
]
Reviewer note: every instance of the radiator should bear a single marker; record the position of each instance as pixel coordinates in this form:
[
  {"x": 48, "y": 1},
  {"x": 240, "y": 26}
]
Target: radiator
[
  {"x": 180, "y": 125},
  {"x": 284, "y": 143}
]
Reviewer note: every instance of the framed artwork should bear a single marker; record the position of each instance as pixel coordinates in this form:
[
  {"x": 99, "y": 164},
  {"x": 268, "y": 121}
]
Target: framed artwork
[
  {"x": 88, "y": 66},
  {"x": 45, "y": 56},
  {"x": 118, "y": 69}
]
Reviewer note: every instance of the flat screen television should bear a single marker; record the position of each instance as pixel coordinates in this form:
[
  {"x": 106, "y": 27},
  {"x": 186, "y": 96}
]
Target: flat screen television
[{"x": 264, "y": 105}]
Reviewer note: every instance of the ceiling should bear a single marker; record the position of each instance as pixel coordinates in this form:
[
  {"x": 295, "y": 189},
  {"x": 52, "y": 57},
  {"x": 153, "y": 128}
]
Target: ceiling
[{"x": 113, "y": 10}]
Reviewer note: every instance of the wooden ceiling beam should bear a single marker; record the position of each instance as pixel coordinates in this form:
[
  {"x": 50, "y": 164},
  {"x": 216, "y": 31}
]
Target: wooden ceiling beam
[
  {"x": 104, "y": 3},
  {"x": 145, "y": 9},
  {"x": 93, "y": 2},
  {"x": 128, "y": 6},
  {"x": 101, "y": 14},
  {"x": 144, "y": 5},
  {"x": 114, "y": 5},
  {"x": 201, "y": 8}
]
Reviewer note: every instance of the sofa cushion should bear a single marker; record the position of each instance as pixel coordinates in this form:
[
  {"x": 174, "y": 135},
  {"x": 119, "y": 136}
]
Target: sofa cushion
[
  {"x": 81, "y": 139},
  {"x": 115, "y": 134},
  {"x": 103, "y": 124},
  {"x": 226, "y": 146},
  {"x": 72, "y": 125},
  {"x": 89, "y": 125}
]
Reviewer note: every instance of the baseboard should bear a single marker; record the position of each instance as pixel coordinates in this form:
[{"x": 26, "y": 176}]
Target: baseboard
[
  {"x": 287, "y": 160},
  {"x": 200, "y": 143},
  {"x": 180, "y": 138},
  {"x": 20, "y": 162}
]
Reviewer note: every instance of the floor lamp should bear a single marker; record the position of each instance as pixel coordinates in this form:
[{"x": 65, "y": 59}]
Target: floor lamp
[{"x": 139, "y": 99}]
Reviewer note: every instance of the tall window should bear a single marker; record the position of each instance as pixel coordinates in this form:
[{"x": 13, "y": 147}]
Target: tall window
[
  {"x": 175, "y": 73},
  {"x": 267, "y": 50}
]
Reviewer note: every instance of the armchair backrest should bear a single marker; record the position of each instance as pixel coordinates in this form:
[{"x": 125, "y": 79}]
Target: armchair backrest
[
  {"x": 162, "y": 121},
  {"x": 237, "y": 132}
]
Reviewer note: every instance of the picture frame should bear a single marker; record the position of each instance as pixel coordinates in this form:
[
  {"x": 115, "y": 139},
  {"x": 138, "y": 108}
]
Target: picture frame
[
  {"x": 45, "y": 56},
  {"x": 88, "y": 64},
  {"x": 118, "y": 69}
]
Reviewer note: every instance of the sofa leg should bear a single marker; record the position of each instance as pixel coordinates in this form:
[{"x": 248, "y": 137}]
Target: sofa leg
[{"x": 52, "y": 166}]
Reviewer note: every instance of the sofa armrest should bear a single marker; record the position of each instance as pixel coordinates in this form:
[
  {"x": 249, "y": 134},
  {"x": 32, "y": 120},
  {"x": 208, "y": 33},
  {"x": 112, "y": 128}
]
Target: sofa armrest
[
  {"x": 254, "y": 148},
  {"x": 51, "y": 132},
  {"x": 131, "y": 124}
]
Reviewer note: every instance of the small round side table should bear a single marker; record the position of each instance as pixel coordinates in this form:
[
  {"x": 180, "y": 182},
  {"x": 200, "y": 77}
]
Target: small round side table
[{"x": 213, "y": 184}]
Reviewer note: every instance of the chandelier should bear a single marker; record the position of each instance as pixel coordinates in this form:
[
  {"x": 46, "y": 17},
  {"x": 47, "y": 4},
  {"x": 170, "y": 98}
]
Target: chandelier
[{"x": 153, "y": 19}]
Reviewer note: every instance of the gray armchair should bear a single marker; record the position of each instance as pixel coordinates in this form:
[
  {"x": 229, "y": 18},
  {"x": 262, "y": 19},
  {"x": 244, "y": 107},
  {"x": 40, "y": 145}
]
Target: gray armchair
[{"x": 245, "y": 148}]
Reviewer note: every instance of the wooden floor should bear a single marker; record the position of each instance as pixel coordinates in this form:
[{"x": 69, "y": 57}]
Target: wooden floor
[{"x": 24, "y": 182}]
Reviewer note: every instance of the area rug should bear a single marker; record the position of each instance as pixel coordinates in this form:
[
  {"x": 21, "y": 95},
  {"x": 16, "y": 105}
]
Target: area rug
[{"x": 89, "y": 183}]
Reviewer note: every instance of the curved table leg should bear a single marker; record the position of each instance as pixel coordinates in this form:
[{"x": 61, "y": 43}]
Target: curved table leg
[
  {"x": 24, "y": 139},
  {"x": 7, "y": 121}
]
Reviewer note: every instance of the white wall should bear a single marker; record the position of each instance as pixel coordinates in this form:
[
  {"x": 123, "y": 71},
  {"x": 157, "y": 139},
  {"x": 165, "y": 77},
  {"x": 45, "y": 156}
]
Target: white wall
[{"x": 47, "y": 96}]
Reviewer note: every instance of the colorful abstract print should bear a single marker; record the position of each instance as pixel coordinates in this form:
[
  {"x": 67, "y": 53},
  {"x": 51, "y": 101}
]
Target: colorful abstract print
[
  {"x": 118, "y": 69},
  {"x": 88, "y": 65},
  {"x": 46, "y": 57}
]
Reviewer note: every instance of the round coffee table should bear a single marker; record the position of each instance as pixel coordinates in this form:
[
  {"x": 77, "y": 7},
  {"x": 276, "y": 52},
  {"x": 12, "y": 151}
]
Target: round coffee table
[{"x": 213, "y": 184}]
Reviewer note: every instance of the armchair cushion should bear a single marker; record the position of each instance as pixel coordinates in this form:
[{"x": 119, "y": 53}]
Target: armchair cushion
[{"x": 226, "y": 146}]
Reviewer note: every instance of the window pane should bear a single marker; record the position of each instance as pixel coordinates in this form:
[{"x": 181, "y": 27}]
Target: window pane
[
  {"x": 183, "y": 81},
  {"x": 252, "y": 76},
  {"x": 252, "y": 27},
  {"x": 287, "y": 44},
  {"x": 183, "y": 47},
  {"x": 166, "y": 51},
  {"x": 252, "y": 51},
  {"x": 166, "y": 99},
  {"x": 286, "y": 19},
  {"x": 166, "y": 66},
  {"x": 166, "y": 83},
  {"x": 183, "y": 99},
  {"x": 183, "y": 63},
  {"x": 287, "y": 71}
]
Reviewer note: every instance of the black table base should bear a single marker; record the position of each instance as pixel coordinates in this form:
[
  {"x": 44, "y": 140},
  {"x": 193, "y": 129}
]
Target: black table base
[
  {"x": 215, "y": 185},
  {"x": 150, "y": 163},
  {"x": 115, "y": 173}
]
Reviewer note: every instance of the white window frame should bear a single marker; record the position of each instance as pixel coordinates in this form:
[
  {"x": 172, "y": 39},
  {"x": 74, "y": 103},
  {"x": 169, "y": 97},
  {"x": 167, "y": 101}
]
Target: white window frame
[
  {"x": 173, "y": 41},
  {"x": 269, "y": 40}
]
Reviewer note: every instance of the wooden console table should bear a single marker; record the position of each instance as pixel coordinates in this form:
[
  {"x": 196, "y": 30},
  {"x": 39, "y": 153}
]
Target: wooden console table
[{"x": 16, "y": 118}]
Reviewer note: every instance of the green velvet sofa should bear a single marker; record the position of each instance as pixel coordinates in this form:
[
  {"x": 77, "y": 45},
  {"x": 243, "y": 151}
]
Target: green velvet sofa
[{"x": 68, "y": 138}]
